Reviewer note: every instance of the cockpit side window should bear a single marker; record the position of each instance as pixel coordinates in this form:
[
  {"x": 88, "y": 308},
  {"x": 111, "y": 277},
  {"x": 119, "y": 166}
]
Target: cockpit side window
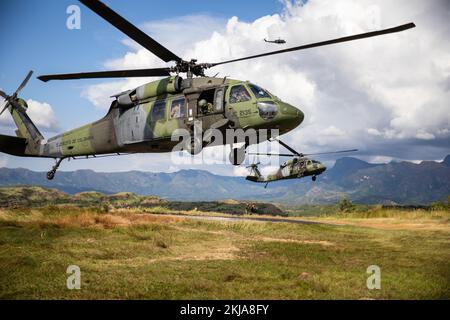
[
  {"x": 239, "y": 94},
  {"x": 258, "y": 91}
]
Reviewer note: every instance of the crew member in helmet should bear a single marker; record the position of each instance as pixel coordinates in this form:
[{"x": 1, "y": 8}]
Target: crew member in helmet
[{"x": 205, "y": 106}]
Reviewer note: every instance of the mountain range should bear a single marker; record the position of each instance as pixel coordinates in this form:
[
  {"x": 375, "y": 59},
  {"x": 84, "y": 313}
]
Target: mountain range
[{"x": 362, "y": 182}]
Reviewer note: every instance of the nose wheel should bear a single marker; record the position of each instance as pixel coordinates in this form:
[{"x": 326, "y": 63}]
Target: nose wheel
[
  {"x": 51, "y": 173},
  {"x": 314, "y": 178}
]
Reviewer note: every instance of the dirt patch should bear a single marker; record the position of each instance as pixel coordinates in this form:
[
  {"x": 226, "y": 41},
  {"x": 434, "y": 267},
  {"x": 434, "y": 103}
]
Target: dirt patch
[
  {"x": 185, "y": 229},
  {"x": 206, "y": 252},
  {"x": 151, "y": 218},
  {"x": 395, "y": 224},
  {"x": 219, "y": 253},
  {"x": 320, "y": 242}
]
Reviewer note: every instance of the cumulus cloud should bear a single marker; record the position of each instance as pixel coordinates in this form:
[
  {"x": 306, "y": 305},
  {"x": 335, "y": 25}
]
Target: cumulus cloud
[
  {"x": 3, "y": 161},
  {"x": 178, "y": 34},
  {"x": 41, "y": 113},
  {"x": 387, "y": 96}
]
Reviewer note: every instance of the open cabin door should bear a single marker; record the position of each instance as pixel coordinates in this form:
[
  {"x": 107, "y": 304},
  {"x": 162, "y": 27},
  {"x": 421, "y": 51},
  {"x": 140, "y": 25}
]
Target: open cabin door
[
  {"x": 207, "y": 107},
  {"x": 210, "y": 108}
]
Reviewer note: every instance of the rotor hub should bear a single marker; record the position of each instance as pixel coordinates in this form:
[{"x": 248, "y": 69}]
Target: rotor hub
[{"x": 191, "y": 68}]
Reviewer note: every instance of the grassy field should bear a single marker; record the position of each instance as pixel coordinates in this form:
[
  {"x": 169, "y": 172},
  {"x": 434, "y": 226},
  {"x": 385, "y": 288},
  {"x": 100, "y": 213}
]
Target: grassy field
[{"x": 127, "y": 254}]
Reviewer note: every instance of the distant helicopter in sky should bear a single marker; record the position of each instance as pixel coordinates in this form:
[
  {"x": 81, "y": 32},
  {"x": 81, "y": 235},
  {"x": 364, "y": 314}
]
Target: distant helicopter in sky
[{"x": 277, "y": 41}]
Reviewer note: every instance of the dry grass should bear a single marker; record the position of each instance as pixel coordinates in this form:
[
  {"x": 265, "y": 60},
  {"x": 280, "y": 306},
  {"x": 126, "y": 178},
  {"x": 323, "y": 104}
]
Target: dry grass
[
  {"x": 391, "y": 219},
  {"x": 128, "y": 254}
]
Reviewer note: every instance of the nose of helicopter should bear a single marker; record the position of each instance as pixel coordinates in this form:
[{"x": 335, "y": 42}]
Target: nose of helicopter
[
  {"x": 292, "y": 116},
  {"x": 321, "y": 168}
]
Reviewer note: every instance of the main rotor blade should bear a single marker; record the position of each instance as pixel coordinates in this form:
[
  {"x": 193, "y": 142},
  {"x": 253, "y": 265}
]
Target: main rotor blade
[
  {"x": 289, "y": 148},
  {"x": 273, "y": 154},
  {"x": 130, "y": 30},
  {"x": 301, "y": 154},
  {"x": 24, "y": 83},
  {"x": 157, "y": 72},
  {"x": 325, "y": 43},
  {"x": 332, "y": 152},
  {"x": 4, "y": 95}
]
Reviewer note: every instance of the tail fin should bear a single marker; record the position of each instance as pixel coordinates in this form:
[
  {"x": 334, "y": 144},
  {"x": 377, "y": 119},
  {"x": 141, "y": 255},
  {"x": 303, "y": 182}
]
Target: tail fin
[
  {"x": 25, "y": 127},
  {"x": 27, "y": 142},
  {"x": 28, "y": 135}
]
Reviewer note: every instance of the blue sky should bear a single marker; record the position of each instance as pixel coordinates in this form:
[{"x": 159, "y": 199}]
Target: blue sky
[
  {"x": 42, "y": 42},
  {"x": 361, "y": 95}
]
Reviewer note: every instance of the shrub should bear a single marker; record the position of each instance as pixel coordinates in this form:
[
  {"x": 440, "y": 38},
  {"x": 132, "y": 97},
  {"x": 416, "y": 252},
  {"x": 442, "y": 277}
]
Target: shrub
[{"x": 345, "y": 205}]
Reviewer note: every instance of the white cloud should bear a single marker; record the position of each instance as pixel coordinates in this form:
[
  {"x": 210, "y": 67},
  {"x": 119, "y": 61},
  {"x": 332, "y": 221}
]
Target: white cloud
[
  {"x": 240, "y": 171},
  {"x": 100, "y": 94},
  {"x": 3, "y": 161},
  {"x": 192, "y": 28},
  {"x": 423, "y": 135},
  {"x": 359, "y": 94},
  {"x": 374, "y": 132},
  {"x": 41, "y": 113}
]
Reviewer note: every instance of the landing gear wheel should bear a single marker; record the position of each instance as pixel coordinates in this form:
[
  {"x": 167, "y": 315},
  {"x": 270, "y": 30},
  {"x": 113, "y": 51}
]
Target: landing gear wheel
[
  {"x": 237, "y": 156},
  {"x": 194, "y": 146},
  {"x": 50, "y": 175},
  {"x": 314, "y": 178}
]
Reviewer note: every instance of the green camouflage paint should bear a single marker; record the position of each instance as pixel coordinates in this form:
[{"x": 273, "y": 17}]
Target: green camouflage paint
[{"x": 131, "y": 128}]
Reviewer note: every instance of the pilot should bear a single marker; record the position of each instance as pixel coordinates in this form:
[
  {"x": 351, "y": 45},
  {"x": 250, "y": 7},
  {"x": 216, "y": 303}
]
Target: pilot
[
  {"x": 242, "y": 95},
  {"x": 205, "y": 106},
  {"x": 176, "y": 111}
]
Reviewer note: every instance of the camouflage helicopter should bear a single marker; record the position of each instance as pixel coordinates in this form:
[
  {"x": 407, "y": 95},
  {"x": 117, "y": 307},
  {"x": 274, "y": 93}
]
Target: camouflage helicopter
[
  {"x": 144, "y": 119},
  {"x": 298, "y": 167}
]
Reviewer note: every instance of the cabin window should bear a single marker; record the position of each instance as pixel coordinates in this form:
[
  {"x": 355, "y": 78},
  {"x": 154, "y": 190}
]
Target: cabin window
[
  {"x": 258, "y": 91},
  {"x": 239, "y": 94},
  {"x": 178, "y": 108},
  {"x": 159, "y": 110},
  {"x": 218, "y": 101}
]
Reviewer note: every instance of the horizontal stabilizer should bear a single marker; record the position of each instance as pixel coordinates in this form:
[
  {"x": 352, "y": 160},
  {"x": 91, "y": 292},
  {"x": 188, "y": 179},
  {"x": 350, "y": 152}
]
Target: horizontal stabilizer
[{"x": 13, "y": 145}]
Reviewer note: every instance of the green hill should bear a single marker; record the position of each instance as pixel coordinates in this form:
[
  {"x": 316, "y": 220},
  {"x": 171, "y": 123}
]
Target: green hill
[{"x": 33, "y": 196}]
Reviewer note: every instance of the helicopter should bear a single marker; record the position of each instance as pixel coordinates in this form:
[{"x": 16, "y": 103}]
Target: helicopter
[
  {"x": 298, "y": 167},
  {"x": 277, "y": 41},
  {"x": 145, "y": 119}
]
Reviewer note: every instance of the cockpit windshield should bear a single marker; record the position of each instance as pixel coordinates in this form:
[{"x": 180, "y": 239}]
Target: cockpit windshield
[{"x": 259, "y": 92}]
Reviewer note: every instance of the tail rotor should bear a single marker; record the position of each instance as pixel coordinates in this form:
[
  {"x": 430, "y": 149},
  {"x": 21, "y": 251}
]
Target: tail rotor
[
  {"x": 12, "y": 100},
  {"x": 254, "y": 167}
]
